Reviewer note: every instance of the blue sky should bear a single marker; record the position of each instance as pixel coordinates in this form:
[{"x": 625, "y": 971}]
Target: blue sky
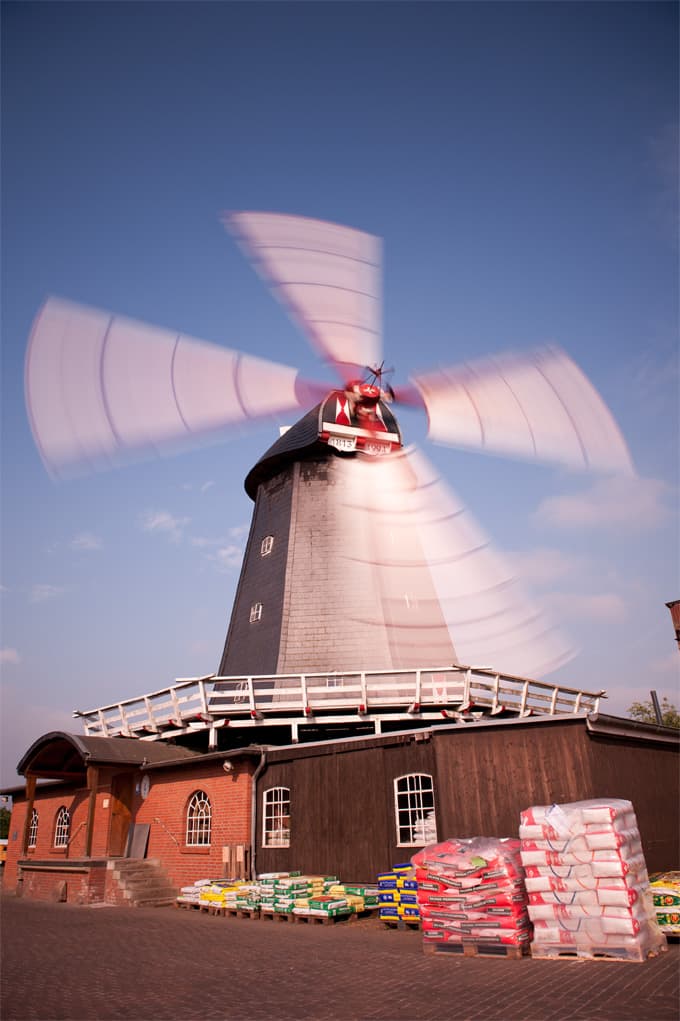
[{"x": 520, "y": 163}]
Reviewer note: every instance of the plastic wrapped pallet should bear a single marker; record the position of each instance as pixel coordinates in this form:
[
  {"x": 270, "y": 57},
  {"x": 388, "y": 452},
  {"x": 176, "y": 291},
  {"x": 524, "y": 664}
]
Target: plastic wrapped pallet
[
  {"x": 472, "y": 891},
  {"x": 587, "y": 881}
]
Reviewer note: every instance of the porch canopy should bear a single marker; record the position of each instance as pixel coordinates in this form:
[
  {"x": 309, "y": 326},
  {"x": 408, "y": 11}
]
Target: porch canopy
[{"x": 76, "y": 757}]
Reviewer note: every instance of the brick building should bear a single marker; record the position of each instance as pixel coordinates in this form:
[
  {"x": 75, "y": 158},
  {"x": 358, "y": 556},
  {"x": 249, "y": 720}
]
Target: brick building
[{"x": 348, "y": 807}]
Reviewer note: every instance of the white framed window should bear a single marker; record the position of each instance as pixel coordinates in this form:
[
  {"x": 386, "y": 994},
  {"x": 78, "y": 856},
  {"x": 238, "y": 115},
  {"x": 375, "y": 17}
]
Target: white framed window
[
  {"x": 62, "y": 827},
  {"x": 267, "y": 545},
  {"x": 199, "y": 820},
  {"x": 414, "y": 810},
  {"x": 276, "y": 817},
  {"x": 255, "y": 612},
  {"x": 33, "y": 829}
]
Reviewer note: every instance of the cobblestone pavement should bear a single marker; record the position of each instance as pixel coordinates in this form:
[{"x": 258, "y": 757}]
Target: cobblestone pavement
[{"x": 65, "y": 962}]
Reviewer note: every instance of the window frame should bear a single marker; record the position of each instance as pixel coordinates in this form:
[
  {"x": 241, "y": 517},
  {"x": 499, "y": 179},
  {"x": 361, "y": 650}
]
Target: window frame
[
  {"x": 416, "y": 808},
  {"x": 267, "y": 545},
  {"x": 198, "y": 817},
  {"x": 62, "y": 827},
  {"x": 274, "y": 831},
  {"x": 33, "y": 828},
  {"x": 255, "y": 613}
]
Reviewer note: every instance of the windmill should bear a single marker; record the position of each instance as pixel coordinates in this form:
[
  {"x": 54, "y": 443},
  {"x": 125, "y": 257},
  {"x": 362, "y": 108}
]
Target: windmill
[{"x": 359, "y": 555}]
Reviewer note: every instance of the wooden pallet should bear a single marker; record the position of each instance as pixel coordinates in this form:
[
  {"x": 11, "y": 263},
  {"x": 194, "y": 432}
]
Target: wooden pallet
[
  {"x": 401, "y": 923},
  {"x": 189, "y": 905},
  {"x": 510, "y": 951},
  {"x": 323, "y": 919},
  {"x": 276, "y": 916},
  {"x": 238, "y": 912},
  {"x": 573, "y": 952}
]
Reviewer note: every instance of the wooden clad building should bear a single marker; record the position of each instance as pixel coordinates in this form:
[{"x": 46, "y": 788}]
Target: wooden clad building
[{"x": 352, "y": 808}]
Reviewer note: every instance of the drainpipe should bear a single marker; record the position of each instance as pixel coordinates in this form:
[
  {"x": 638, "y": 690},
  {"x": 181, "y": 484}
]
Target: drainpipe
[{"x": 253, "y": 810}]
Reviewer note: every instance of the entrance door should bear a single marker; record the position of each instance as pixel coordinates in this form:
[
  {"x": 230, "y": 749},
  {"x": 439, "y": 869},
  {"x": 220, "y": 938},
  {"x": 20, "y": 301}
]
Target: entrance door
[{"x": 122, "y": 787}]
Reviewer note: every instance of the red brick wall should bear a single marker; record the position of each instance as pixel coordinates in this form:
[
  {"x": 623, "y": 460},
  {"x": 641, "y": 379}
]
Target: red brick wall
[
  {"x": 164, "y": 809},
  {"x": 72, "y": 887}
]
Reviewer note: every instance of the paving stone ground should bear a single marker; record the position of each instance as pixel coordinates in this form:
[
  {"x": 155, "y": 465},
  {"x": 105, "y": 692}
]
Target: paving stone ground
[{"x": 67, "y": 963}]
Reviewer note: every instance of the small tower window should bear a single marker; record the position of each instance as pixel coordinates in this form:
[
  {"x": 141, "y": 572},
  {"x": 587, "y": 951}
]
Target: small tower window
[
  {"x": 267, "y": 545},
  {"x": 255, "y": 612}
]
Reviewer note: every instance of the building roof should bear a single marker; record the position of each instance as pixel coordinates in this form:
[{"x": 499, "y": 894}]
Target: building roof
[
  {"x": 301, "y": 440},
  {"x": 59, "y": 755}
]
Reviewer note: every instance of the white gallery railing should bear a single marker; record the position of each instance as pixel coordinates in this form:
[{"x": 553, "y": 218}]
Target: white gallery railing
[{"x": 425, "y": 693}]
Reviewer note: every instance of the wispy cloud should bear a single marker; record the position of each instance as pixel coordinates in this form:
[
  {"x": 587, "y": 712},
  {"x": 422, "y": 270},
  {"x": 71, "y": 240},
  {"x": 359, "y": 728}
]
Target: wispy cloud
[
  {"x": 203, "y": 541},
  {"x": 544, "y": 566},
  {"x": 228, "y": 557},
  {"x": 164, "y": 523},
  {"x": 40, "y": 593},
  {"x": 622, "y": 503},
  {"x": 8, "y": 655},
  {"x": 202, "y": 487},
  {"x": 86, "y": 541},
  {"x": 238, "y": 531},
  {"x": 591, "y": 606}
]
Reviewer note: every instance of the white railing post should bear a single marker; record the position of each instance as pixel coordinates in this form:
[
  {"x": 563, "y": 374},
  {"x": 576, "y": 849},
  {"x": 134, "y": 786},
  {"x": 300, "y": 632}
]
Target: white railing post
[
  {"x": 494, "y": 703},
  {"x": 523, "y": 702},
  {"x": 553, "y": 701},
  {"x": 203, "y": 697},
  {"x": 151, "y": 720},
  {"x": 303, "y": 691},
  {"x": 103, "y": 724},
  {"x": 124, "y": 729}
]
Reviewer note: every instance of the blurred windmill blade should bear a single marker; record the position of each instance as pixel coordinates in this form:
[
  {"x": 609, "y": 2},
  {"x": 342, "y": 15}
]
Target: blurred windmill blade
[
  {"x": 537, "y": 405},
  {"x": 101, "y": 389},
  {"x": 432, "y": 567},
  {"x": 327, "y": 276}
]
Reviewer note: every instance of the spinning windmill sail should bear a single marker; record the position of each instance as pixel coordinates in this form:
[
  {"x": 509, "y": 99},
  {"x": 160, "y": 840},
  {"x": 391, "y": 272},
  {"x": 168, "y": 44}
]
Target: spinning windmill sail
[{"x": 403, "y": 574}]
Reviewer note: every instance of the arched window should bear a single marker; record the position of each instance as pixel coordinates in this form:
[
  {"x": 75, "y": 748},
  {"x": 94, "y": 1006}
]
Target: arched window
[
  {"x": 414, "y": 810},
  {"x": 199, "y": 819},
  {"x": 33, "y": 829},
  {"x": 276, "y": 817},
  {"x": 266, "y": 545},
  {"x": 62, "y": 827}
]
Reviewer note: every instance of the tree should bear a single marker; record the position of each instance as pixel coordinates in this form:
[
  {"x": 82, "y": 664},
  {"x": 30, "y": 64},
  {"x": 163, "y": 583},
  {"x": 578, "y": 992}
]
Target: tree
[
  {"x": 644, "y": 712},
  {"x": 5, "y": 816}
]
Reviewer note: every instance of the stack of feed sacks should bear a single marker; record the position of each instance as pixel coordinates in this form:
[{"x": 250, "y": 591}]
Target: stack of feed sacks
[
  {"x": 214, "y": 893},
  {"x": 587, "y": 881},
  {"x": 361, "y": 898},
  {"x": 665, "y": 887},
  {"x": 295, "y": 891},
  {"x": 398, "y": 895},
  {"x": 471, "y": 891},
  {"x": 191, "y": 894}
]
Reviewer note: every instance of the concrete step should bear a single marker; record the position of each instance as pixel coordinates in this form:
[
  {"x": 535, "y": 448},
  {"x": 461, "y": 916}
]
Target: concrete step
[{"x": 154, "y": 902}]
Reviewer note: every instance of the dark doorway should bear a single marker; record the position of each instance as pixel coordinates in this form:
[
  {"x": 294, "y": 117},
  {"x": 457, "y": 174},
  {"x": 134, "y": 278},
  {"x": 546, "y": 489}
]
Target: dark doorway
[{"x": 122, "y": 787}]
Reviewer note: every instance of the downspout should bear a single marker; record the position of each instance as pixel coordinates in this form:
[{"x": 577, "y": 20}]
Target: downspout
[{"x": 253, "y": 810}]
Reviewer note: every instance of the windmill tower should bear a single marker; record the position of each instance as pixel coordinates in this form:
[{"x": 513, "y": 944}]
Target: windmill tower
[{"x": 359, "y": 556}]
